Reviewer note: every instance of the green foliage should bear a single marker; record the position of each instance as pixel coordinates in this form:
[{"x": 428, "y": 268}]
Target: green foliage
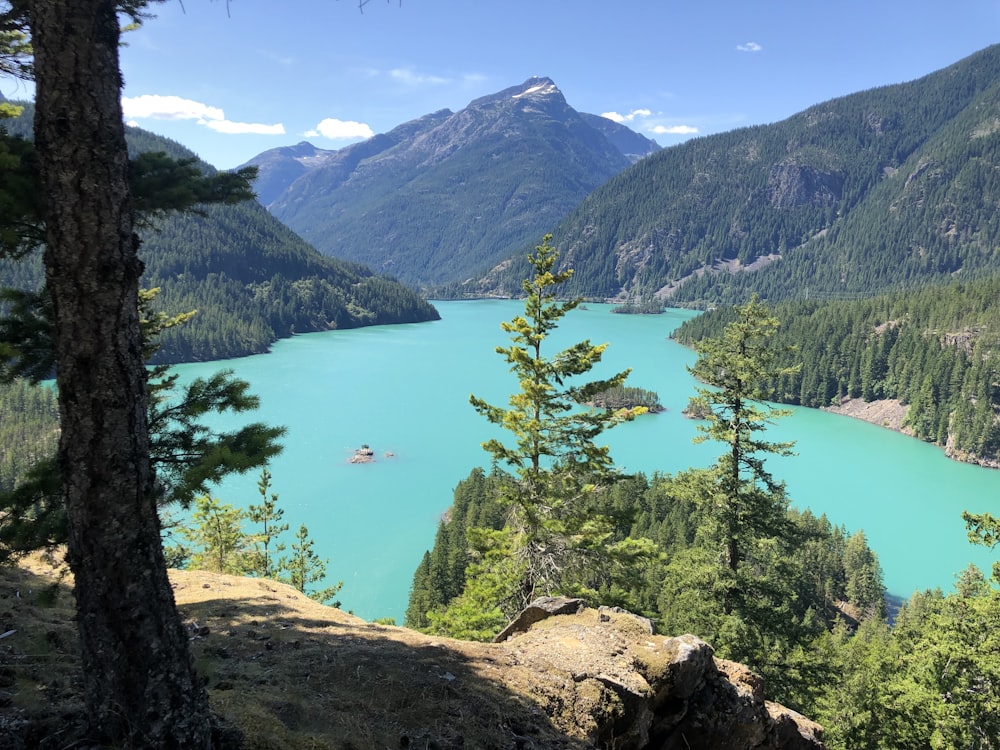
[
  {"x": 557, "y": 532},
  {"x": 20, "y": 197},
  {"x": 217, "y": 535},
  {"x": 893, "y": 187},
  {"x": 442, "y": 573},
  {"x": 548, "y": 508},
  {"x": 26, "y": 335},
  {"x": 217, "y": 540},
  {"x": 648, "y": 305},
  {"x": 804, "y": 588},
  {"x": 932, "y": 680},
  {"x": 492, "y": 590},
  {"x": 762, "y": 583},
  {"x": 774, "y": 611},
  {"x": 303, "y": 567},
  {"x": 29, "y": 428},
  {"x": 933, "y": 349},
  {"x": 268, "y": 516},
  {"x": 161, "y": 184},
  {"x": 984, "y": 529},
  {"x": 736, "y": 369},
  {"x": 627, "y": 397},
  {"x": 188, "y": 455}
]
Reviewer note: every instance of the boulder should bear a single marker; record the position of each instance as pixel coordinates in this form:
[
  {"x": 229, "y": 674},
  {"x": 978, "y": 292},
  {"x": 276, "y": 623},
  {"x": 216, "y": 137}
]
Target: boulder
[{"x": 601, "y": 675}]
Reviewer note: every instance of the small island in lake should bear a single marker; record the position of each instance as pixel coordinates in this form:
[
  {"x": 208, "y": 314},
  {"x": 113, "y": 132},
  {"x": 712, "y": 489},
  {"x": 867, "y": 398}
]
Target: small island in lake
[
  {"x": 647, "y": 306},
  {"x": 363, "y": 455},
  {"x": 627, "y": 397},
  {"x": 697, "y": 408}
]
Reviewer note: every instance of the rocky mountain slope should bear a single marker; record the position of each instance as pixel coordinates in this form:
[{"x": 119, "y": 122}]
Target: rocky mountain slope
[
  {"x": 891, "y": 187},
  {"x": 290, "y": 673},
  {"x": 450, "y": 193}
]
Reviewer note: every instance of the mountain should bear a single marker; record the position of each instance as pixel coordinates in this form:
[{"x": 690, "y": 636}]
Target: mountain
[
  {"x": 251, "y": 279},
  {"x": 443, "y": 196},
  {"x": 892, "y": 187},
  {"x": 626, "y": 140}
]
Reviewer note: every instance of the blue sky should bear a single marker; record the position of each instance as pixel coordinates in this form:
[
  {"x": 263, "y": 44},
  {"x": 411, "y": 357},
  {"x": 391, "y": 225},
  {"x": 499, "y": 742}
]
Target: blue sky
[{"x": 267, "y": 74}]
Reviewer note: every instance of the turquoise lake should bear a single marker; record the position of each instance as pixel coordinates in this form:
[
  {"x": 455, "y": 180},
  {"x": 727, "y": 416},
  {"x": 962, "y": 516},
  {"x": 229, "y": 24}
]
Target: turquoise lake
[{"x": 404, "y": 390}]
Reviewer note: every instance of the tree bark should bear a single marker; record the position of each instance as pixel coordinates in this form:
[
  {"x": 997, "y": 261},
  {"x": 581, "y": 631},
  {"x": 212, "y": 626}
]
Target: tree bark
[{"x": 140, "y": 684}]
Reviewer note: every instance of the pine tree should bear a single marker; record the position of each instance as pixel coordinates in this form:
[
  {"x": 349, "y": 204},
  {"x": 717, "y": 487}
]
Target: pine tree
[
  {"x": 984, "y": 529},
  {"x": 216, "y": 529},
  {"x": 304, "y": 567},
  {"x": 739, "y": 581},
  {"x": 262, "y": 559},
  {"x": 737, "y": 370},
  {"x": 557, "y": 537}
]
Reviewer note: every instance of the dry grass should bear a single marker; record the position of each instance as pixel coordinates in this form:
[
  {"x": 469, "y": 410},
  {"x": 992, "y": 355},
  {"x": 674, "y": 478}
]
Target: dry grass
[{"x": 289, "y": 672}]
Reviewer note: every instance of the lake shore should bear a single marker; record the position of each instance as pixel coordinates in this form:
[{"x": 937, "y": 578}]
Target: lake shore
[{"x": 888, "y": 413}]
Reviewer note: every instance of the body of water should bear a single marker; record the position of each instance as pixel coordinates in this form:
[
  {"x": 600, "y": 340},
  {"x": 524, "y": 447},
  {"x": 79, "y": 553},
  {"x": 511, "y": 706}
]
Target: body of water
[{"x": 404, "y": 390}]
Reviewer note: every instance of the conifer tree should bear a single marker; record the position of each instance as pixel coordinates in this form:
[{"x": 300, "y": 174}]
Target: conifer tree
[
  {"x": 984, "y": 529},
  {"x": 216, "y": 529},
  {"x": 736, "y": 585},
  {"x": 557, "y": 537},
  {"x": 304, "y": 567},
  {"x": 262, "y": 560},
  {"x": 737, "y": 370}
]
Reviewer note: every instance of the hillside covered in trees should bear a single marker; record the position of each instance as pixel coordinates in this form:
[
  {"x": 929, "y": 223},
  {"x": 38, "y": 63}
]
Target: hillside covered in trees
[
  {"x": 250, "y": 278},
  {"x": 891, "y": 187},
  {"x": 718, "y": 550},
  {"x": 933, "y": 349}
]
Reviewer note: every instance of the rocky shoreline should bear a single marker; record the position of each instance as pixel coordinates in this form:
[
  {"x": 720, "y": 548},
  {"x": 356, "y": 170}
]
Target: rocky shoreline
[
  {"x": 888, "y": 412},
  {"x": 891, "y": 413}
]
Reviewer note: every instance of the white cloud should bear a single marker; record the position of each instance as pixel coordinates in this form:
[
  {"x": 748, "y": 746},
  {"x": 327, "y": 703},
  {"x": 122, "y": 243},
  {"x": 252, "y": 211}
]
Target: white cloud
[
  {"x": 673, "y": 130},
  {"x": 749, "y": 47},
  {"x": 336, "y": 130},
  {"x": 242, "y": 128},
  {"x": 412, "y": 78},
  {"x": 157, "y": 107},
  {"x": 619, "y": 118}
]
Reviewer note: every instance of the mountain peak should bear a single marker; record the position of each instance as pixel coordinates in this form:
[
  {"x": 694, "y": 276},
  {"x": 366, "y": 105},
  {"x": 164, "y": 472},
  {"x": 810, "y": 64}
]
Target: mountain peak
[
  {"x": 538, "y": 89},
  {"x": 437, "y": 198},
  {"x": 536, "y": 86}
]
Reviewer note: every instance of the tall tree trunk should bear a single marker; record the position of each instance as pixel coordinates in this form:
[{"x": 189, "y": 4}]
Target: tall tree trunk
[{"x": 141, "y": 688}]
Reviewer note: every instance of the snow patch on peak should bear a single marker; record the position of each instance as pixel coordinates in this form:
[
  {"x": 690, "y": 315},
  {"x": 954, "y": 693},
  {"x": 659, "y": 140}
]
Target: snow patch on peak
[{"x": 541, "y": 89}]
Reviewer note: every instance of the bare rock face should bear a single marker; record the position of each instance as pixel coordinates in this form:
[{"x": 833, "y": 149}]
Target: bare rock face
[
  {"x": 792, "y": 184},
  {"x": 603, "y": 675}
]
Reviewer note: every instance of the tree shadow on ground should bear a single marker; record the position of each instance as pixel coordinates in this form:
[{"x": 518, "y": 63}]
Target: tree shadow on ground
[{"x": 287, "y": 671}]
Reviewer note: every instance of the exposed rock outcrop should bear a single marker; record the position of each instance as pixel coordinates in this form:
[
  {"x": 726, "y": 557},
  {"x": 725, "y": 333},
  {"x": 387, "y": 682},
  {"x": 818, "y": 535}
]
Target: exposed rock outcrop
[
  {"x": 603, "y": 675},
  {"x": 792, "y": 184}
]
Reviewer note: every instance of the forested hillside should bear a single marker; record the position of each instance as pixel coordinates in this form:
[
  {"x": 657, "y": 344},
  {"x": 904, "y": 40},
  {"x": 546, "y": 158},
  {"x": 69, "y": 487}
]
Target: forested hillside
[
  {"x": 251, "y": 279},
  {"x": 444, "y": 196},
  {"x": 720, "y": 551},
  {"x": 934, "y": 349},
  {"x": 886, "y": 188},
  {"x": 29, "y": 429}
]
